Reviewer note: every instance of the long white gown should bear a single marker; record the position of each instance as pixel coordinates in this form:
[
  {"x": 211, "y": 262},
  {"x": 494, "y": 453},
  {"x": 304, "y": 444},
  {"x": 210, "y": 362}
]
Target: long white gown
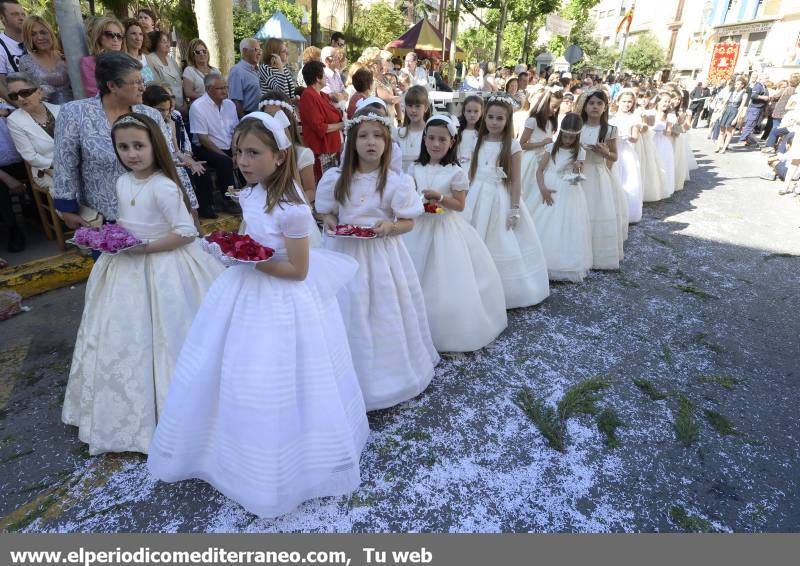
[
  {"x": 265, "y": 404},
  {"x": 564, "y": 227},
  {"x": 665, "y": 152},
  {"x": 466, "y": 147},
  {"x": 653, "y": 181},
  {"x": 680, "y": 146},
  {"x": 410, "y": 144},
  {"x": 628, "y": 166},
  {"x": 517, "y": 253},
  {"x": 463, "y": 292},
  {"x": 530, "y": 163},
  {"x": 137, "y": 312},
  {"x": 383, "y": 305},
  {"x": 606, "y": 206}
]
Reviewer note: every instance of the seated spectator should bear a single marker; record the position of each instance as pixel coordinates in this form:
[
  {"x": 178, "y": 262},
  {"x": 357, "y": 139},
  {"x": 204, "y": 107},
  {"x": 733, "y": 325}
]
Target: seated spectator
[
  {"x": 362, "y": 83},
  {"x": 32, "y": 126},
  {"x": 245, "y": 90},
  {"x": 274, "y": 72},
  {"x": 147, "y": 19},
  {"x": 212, "y": 118},
  {"x": 439, "y": 79},
  {"x": 197, "y": 69},
  {"x": 160, "y": 97},
  {"x": 321, "y": 119},
  {"x": 12, "y": 169},
  {"x": 137, "y": 45},
  {"x": 43, "y": 62},
  {"x": 311, "y": 53},
  {"x": 106, "y": 35},
  {"x": 164, "y": 67}
]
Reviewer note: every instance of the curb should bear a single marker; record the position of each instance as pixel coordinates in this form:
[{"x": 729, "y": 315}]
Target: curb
[{"x": 68, "y": 268}]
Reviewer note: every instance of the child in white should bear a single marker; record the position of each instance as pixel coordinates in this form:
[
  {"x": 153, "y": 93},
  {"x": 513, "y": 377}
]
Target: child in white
[
  {"x": 468, "y": 125},
  {"x": 627, "y": 165},
  {"x": 417, "y": 110},
  {"x": 664, "y": 122},
  {"x": 540, "y": 127},
  {"x": 383, "y": 305},
  {"x": 562, "y": 221},
  {"x": 495, "y": 209},
  {"x": 463, "y": 292},
  {"x": 139, "y": 304},
  {"x": 265, "y": 404},
  {"x": 653, "y": 182}
]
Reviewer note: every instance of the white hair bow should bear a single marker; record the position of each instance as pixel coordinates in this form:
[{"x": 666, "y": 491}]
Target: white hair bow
[
  {"x": 273, "y": 125},
  {"x": 370, "y": 100}
]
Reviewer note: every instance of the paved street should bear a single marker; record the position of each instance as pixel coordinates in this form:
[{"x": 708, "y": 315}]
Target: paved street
[{"x": 704, "y": 313}]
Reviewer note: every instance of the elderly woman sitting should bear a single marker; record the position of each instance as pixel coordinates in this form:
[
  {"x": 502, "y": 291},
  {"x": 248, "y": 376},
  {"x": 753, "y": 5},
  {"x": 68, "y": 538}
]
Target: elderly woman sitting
[{"x": 32, "y": 126}]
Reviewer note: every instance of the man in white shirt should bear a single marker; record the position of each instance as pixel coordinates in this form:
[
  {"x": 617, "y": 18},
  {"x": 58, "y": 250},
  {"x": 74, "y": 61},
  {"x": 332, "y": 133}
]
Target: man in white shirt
[
  {"x": 11, "y": 47},
  {"x": 411, "y": 73},
  {"x": 212, "y": 118}
]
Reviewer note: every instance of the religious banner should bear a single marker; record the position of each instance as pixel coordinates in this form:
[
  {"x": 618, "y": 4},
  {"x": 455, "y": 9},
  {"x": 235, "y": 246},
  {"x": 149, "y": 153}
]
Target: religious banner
[{"x": 723, "y": 61}]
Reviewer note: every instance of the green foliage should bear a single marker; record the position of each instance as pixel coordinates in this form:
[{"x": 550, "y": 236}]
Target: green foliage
[
  {"x": 376, "y": 26},
  {"x": 512, "y": 46},
  {"x": 582, "y": 398},
  {"x": 293, "y": 11},
  {"x": 686, "y": 427},
  {"x": 720, "y": 422},
  {"x": 245, "y": 24},
  {"x": 581, "y": 33},
  {"x": 644, "y": 56},
  {"x": 608, "y": 422},
  {"x": 649, "y": 389},
  {"x": 183, "y": 18},
  {"x": 544, "y": 417},
  {"x": 690, "y": 523},
  {"x": 477, "y": 43}
]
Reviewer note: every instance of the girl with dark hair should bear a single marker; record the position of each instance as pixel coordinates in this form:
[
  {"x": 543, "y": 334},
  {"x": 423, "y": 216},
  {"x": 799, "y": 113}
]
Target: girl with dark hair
[
  {"x": 607, "y": 208},
  {"x": 469, "y": 123},
  {"x": 384, "y": 306},
  {"x": 139, "y": 304},
  {"x": 265, "y": 403},
  {"x": 540, "y": 127},
  {"x": 562, "y": 222},
  {"x": 417, "y": 110},
  {"x": 494, "y": 207},
  {"x": 463, "y": 292}
]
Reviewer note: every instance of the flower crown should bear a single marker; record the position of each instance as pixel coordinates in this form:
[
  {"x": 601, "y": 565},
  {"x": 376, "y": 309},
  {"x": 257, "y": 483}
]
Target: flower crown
[
  {"x": 499, "y": 98},
  {"x": 129, "y": 120},
  {"x": 368, "y": 118},
  {"x": 573, "y": 132},
  {"x": 283, "y": 104}
]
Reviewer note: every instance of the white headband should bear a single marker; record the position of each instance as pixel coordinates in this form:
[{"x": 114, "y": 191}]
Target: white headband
[
  {"x": 371, "y": 100},
  {"x": 273, "y": 125},
  {"x": 500, "y": 98},
  {"x": 452, "y": 123},
  {"x": 273, "y": 102},
  {"x": 368, "y": 118}
]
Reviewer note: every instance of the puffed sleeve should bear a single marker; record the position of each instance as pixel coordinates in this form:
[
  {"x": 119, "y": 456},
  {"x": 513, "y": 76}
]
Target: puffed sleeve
[
  {"x": 405, "y": 201},
  {"x": 460, "y": 181},
  {"x": 324, "y": 201},
  {"x": 396, "y": 162},
  {"x": 170, "y": 201},
  {"x": 530, "y": 123},
  {"x": 294, "y": 220},
  {"x": 67, "y": 158},
  {"x": 515, "y": 146}
]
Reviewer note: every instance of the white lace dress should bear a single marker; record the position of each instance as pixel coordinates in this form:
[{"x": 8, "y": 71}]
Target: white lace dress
[
  {"x": 564, "y": 227},
  {"x": 517, "y": 253},
  {"x": 530, "y": 163},
  {"x": 628, "y": 167},
  {"x": 383, "y": 305},
  {"x": 137, "y": 311},
  {"x": 463, "y": 292},
  {"x": 265, "y": 404}
]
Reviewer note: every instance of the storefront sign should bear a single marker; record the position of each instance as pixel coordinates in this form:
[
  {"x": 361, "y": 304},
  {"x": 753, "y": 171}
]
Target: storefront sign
[
  {"x": 723, "y": 61},
  {"x": 740, "y": 29}
]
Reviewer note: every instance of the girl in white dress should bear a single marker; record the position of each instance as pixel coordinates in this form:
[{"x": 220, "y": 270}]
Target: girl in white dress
[
  {"x": 680, "y": 142},
  {"x": 540, "y": 127},
  {"x": 562, "y": 221},
  {"x": 417, "y": 110},
  {"x": 139, "y": 304},
  {"x": 628, "y": 166},
  {"x": 495, "y": 208},
  {"x": 653, "y": 181},
  {"x": 383, "y": 306},
  {"x": 463, "y": 292},
  {"x": 608, "y": 210},
  {"x": 662, "y": 129},
  {"x": 468, "y": 125},
  {"x": 264, "y": 403}
]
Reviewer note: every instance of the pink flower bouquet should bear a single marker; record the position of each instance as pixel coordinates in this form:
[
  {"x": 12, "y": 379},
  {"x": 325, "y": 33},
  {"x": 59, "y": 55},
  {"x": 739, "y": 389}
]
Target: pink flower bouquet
[{"x": 109, "y": 238}]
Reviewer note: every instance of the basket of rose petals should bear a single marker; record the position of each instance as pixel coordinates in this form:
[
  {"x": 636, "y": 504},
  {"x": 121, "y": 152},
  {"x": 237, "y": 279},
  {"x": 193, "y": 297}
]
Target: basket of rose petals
[
  {"x": 353, "y": 231},
  {"x": 433, "y": 208},
  {"x": 240, "y": 247},
  {"x": 109, "y": 238}
]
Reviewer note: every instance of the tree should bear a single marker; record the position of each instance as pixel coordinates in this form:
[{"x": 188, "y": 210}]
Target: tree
[
  {"x": 376, "y": 26},
  {"x": 477, "y": 43},
  {"x": 581, "y": 34},
  {"x": 645, "y": 56}
]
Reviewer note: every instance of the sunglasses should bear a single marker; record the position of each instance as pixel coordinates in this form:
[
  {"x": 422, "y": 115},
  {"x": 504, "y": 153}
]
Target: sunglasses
[
  {"x": 113, "y": 35},
  {"x": 200, "y": 51},
  {"x": 23, "y": 93}
]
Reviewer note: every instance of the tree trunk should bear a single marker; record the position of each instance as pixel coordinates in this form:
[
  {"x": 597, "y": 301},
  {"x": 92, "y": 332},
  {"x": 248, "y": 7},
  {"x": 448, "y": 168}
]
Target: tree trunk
[
  {"x": 316, "y": 39},
  {"x": 500, "y": 27},
  {"x": 453, "y": 37},
  {"x": 73, "y": 38},
  {"x": 526, "y": 42},
  {"x": 215, "y": 26}
]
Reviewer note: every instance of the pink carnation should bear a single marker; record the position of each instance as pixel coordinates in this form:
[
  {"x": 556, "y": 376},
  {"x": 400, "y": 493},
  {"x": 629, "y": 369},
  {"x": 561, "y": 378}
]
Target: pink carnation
[{"x": 107, "y": 238}]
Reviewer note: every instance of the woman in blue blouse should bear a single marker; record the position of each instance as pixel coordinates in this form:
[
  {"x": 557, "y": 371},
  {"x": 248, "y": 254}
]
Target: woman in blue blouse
[{"x": 85, "y": 165}]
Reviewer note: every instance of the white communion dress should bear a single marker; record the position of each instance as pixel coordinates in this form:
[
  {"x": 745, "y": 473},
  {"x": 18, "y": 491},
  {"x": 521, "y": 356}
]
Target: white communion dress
[
  {"x": 383, "y": 305},
  {"x": 516, "y": 252},
  {"x": 137, "y": 312},
  {"x": 466, "y": 147},
  {"x": 627, "y": 166},
  {"x": 463, "y": 292},
  {"x": 564, "y": 227},
  {"x": 410, "y": 145},
  {"x": 665, "y": 152},
  {"x": 265, "y": 404},
  {"x": 530, "y": 162},
  {"x": 653, "y": 180}
]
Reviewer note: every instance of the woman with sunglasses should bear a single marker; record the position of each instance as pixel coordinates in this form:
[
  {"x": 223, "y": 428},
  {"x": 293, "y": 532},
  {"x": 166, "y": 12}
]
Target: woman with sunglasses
[
  {"x": 43, "y": 61},
  {"x": 165, "y": 67},
  {"x": 107, "y": 34},
  {"x": 195, "y": 72},
  {"x": 137, "y": 47}
]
